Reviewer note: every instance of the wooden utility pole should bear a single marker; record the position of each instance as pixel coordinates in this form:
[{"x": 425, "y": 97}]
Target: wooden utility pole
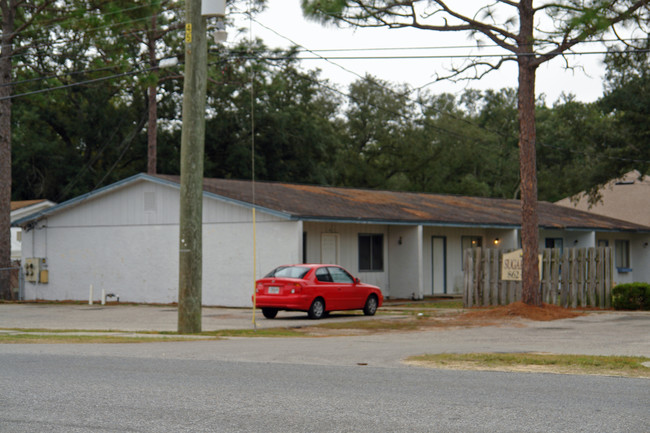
[
  {"x": 8, "y": 10},
  {"x": 192, "y": 150}
]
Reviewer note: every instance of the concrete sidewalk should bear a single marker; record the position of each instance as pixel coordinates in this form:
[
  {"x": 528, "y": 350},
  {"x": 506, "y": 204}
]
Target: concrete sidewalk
[{"x": 134, "y": 318}]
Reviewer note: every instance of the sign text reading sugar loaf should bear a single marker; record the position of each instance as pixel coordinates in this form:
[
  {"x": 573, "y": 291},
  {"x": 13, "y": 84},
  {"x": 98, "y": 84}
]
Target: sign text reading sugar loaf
[{"x": 512, "y": 265}]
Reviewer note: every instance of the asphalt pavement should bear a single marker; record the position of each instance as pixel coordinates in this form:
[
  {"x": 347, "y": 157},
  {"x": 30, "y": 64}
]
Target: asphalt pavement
[{"x": 597, "y": 333}]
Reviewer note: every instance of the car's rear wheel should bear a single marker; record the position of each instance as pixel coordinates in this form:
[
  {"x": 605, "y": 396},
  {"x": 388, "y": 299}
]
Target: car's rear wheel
[
  {"x": 270, "y": 313},
  {"x": 371, "y": 306},
  {"x": 317, "y": 309}
]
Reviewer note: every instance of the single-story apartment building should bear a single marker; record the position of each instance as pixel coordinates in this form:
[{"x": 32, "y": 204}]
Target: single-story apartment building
[
  {"x": 124, "y": 238},
  {"x": 20, "y": 209}
]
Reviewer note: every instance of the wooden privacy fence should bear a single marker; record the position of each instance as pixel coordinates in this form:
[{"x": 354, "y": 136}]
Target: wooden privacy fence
[{"x": 577, "y": 277}]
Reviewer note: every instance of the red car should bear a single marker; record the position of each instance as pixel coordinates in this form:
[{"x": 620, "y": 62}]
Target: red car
[{"x": 316, "y": 289}]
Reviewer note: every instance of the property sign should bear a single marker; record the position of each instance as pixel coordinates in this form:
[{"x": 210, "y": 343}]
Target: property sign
[{"x": 512, "y": 265}]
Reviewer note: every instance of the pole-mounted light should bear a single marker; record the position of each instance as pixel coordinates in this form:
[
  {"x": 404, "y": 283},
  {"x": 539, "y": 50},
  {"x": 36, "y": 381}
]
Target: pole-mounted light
[{"x": 216, "y": 8}]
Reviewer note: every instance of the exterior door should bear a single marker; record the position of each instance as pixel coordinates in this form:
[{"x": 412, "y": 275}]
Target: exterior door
[
  {"x": 438, "y": 265},
  {"x": 329, "y": 248}
]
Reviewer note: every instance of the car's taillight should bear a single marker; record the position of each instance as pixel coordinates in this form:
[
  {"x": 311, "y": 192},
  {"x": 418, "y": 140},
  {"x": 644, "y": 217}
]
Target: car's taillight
[
  {"x": 296, "y": 288},
  {"x": 258, "y": 288}
]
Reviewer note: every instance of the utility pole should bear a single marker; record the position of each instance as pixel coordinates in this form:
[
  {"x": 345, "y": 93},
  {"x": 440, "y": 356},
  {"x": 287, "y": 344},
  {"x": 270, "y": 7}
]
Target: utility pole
[
  {"x": 192, "y": 149},
  {"x": 190, "y": 273}
]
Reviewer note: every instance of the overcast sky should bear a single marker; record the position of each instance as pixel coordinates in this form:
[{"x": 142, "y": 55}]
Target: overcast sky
[{"x": 283, "y": 25}]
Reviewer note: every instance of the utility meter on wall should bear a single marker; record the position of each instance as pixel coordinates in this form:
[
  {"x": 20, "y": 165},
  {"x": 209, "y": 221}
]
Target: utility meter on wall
[{"x": 35, "y": 271}]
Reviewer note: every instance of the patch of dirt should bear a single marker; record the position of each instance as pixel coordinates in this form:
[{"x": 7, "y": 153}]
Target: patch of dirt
[
  {"x": 546, "y": 312},
  {"x": 554, "y": 369},
  {"x": 513, "y": 315}
]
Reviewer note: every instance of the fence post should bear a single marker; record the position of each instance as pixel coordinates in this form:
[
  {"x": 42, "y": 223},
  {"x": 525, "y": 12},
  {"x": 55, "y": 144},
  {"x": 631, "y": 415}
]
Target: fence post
[
  {"x": 494, "y": 277},
  {"x": 591, "y": 276},
  {"x": 546, "y": 275},
  {"x": 469, "y": 279},
  {"x": 503, "y": 293},
  {"x": 487, "y": 278},
  {"x": 555, "y": 274},
  {"x": 608, "y": 276},
  {"x": 477, "y": 275},
  {"x": 564, "y": 278}
]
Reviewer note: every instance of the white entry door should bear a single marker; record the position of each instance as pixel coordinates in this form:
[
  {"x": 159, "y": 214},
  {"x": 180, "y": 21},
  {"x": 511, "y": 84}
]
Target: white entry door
[
  {"x": 329, "y": 248},
  {"x": 438, "y": 265}
]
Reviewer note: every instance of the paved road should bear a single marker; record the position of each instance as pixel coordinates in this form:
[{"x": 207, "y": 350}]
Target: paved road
[
  {"x": 334, "y": 384},
  {"x": 87, "y": 393}
]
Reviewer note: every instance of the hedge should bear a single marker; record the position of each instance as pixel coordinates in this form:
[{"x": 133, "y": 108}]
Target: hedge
[{"x": 631, "y": 296}]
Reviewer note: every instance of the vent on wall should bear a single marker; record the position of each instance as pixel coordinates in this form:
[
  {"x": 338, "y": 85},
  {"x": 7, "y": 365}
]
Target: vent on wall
[{"x": 149, "y": 201}]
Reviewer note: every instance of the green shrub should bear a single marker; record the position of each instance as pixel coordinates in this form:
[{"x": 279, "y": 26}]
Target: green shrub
[{"x": 631, "y": 296}]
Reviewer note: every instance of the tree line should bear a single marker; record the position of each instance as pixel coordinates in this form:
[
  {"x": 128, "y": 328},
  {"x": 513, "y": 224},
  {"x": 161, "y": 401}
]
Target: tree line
[{"x": 373, "y": 134}]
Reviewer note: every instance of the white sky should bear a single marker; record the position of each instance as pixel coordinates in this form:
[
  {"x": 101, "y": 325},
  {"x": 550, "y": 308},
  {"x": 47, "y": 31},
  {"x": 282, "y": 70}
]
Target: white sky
[{"x": 285, "y": 18}]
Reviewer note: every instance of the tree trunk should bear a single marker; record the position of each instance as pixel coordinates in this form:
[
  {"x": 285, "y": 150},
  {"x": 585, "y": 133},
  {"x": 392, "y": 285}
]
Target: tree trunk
[
  {"x": 8, "y": 14},
  {"x": 527, "y": 159}
]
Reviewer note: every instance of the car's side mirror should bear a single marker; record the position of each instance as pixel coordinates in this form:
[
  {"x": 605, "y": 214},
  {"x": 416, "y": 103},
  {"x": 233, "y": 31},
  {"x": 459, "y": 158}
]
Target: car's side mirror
[{"x": 356, "y": 280}]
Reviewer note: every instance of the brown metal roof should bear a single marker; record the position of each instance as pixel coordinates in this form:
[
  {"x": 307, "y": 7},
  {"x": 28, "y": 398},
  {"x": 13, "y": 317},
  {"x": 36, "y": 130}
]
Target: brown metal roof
[
  {"x": 24, "y": 203},
  {"x": 350, "y": 204}
]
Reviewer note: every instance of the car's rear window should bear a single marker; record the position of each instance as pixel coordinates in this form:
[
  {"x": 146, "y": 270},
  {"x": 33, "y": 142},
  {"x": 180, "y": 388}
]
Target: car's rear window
[{"x": 288, "y": 272}]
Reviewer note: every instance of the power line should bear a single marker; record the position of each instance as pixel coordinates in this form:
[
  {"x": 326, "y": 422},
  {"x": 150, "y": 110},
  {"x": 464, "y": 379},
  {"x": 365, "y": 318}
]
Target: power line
[
  {"x": 432, "y": 56},
  {"x": 67, "y": 41},
  {"x": 80, "y": 83},
  {"x": 441, "y": 47},
  {"x": 384, "y": 87}
]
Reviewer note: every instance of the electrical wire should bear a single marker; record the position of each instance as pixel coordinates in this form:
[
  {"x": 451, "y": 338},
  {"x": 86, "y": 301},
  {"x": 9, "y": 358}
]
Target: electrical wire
[
  {"x": 79, "y": 83},
  {"x": 67, "y": 41}
]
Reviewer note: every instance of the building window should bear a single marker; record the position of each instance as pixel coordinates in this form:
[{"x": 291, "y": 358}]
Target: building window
[
  {"x": 603, "y": 243},
  {"x": 371, "y": 252},
  {"x": 622, "y": 253},
  {"x": 554, "y": 243}
]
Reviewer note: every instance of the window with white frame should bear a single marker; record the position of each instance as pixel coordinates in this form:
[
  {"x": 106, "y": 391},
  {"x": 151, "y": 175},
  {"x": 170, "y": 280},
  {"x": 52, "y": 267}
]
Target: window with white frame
[
  {"x": 371, "y": 252},
  {"x": 622, "y": 254}
]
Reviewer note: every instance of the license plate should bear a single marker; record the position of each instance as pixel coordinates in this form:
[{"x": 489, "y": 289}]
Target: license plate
[{"x": 274, "y": 290}]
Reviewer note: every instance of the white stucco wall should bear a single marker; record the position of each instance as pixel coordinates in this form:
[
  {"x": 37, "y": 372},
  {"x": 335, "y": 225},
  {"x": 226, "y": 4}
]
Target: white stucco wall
[{"x": 126, "y": 242}]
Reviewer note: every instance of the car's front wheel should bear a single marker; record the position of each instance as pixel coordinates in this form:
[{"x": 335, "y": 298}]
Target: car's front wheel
[
  {"x": 317, "y": 309},
  {"x": 371, "y": 306},
  {"x": 270, "y": 313}
]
